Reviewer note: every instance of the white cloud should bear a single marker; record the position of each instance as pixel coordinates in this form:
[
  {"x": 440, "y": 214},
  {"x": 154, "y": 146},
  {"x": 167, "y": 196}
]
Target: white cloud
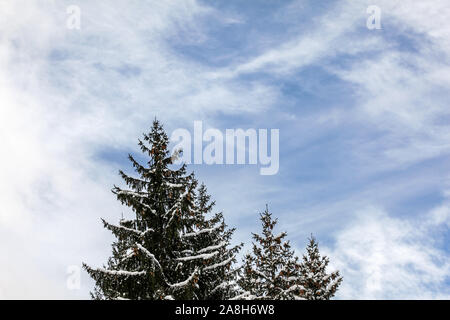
[
  {"x": 55, "y": 113},
  {"x": 62, "y": 98},
  {"x": 382, "y": 257},
  {"x": 395, "y": 90},
  {"x": 440, "y": 216},
  {"x": 324, "y": 37}
]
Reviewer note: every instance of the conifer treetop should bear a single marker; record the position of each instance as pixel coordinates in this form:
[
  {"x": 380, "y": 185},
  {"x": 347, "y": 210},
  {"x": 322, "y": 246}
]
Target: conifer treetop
[
  {"x": 271, "y": 270},
  {"x": 318, "y": 284},
  {"x": 170, "y": 249}
]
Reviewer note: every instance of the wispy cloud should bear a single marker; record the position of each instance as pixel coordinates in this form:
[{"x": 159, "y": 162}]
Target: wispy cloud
[
  {"x": 360, "y": 113},
  {"x": 382, "y": 257}
]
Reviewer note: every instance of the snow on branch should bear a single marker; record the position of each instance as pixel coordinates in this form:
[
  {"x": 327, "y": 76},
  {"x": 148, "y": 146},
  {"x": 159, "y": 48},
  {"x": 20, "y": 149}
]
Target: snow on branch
[
  {"x": 210, "y": 248},
  {"x": 137, "y": 232},
  {"x": 193, "y": 234},
  {"x": 262, "y": 275},
  {"x": 293, "y": 288},
  {"x": 140, "y": 195},
  {"x": 184, "y": 283},
  {"x": 246, "y": 296},
  {"x": 281, "y": 235},
  {"x": 203, "y": 256},
  {"x": 223, "y": 285},
  {"x": 128, "y": 254},
  {"x": 121, "y": 272},
  {"x": 174, "y": 185},
  {"x": 133, "y": 193},
  {"x": 220, "y": 264},
  {"x": 150, "y": 255},
  {"x": 333, "y": 283}
]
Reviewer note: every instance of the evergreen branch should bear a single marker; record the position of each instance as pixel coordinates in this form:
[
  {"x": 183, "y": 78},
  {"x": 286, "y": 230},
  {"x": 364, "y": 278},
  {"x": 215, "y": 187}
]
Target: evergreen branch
[
  {"x": 185, "y": 282},
  {"x": 220, "y": 245},
  {"x": 220, "y": 264},
  {"x": 115, "y": 228},
  {"x": 203, "y": 256},
  {"x": 150, "y": 255},
  {"x": 120, "y": 272},
  {"x": 206, "y": 230}
]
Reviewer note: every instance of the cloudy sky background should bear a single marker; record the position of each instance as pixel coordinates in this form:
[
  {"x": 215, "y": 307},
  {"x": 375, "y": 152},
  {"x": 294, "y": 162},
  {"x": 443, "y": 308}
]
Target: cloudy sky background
[{"x": 363, "y": 116}]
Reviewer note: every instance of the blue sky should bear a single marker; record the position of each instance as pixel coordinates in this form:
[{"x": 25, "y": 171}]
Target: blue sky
[{"x": 363, "y": 118}]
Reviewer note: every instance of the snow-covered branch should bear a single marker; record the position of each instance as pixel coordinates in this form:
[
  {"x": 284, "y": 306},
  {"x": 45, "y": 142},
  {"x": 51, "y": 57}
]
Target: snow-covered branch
[
  {"x": 203, "y": 256},
  {"x": 195, "y": 233},
  {"x": 220, "y": 264},
  {"x": 184, "y": 283},
  {"x": 121, "y": 272}
]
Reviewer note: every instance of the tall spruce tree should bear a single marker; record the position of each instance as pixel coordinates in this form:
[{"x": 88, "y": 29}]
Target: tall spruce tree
[
  {"x": 317, "y": 283},
  {"x": 271, "y": 270},
  {"x": 170, "y": 250}
]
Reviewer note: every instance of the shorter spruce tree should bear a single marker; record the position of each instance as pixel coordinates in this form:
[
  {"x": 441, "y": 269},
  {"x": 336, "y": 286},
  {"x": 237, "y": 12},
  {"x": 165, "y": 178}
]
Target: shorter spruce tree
[
  {"x": 316, "y": 282},
  {"x": 271, "y": 271}
]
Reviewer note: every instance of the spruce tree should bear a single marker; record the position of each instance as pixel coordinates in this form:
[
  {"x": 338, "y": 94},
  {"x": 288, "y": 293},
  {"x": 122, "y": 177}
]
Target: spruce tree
[
  {"x": 271, "y": 270},
  {"x": 219, "y": 279},
  {"x": 317, "y": 283},
  {"x": 169, "y": 250}
]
